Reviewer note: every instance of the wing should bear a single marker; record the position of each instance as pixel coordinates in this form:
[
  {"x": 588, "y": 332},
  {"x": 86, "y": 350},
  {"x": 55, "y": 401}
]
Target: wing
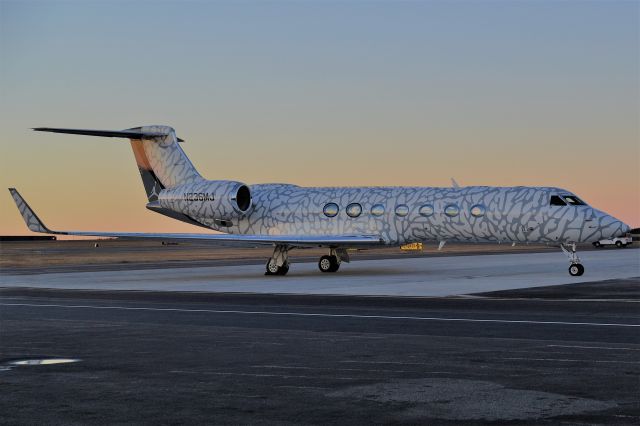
[{"x": 357, "y": 241}]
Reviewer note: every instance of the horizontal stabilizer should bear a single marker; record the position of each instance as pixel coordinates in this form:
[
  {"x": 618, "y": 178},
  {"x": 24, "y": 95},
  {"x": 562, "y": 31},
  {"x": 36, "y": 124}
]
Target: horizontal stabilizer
[{"x": 134, "y": 133}]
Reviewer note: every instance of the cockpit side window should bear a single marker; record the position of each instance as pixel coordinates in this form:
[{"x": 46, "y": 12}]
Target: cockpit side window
[
  {"x": 555, "y": 200},
  {"x": 573, "y": 200}
]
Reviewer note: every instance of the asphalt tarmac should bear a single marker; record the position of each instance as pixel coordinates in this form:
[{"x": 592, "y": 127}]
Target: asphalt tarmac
[
  {"x": 566, "y": 354},
  {"x": 407, "y": 276}
]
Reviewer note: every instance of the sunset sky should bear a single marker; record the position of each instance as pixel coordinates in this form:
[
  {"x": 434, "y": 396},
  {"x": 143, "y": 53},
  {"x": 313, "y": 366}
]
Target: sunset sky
[{"x": 318, "y": 93}]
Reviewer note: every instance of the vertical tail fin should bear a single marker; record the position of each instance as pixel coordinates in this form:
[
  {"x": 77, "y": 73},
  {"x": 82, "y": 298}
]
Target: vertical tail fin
[{"x": 161, "y": 161}]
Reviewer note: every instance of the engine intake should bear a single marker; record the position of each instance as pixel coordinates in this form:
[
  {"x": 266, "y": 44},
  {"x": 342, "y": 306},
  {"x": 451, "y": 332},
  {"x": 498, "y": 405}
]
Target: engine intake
[{"x": 243, "y": 198}]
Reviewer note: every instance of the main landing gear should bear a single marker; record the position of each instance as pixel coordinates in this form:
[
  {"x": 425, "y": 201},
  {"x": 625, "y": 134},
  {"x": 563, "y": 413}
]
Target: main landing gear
[
  {"x": 575, "y": 267},
  {"x": 278, "y": 264},
  {"x": 328, "y": 264},
  {"x": 331, "y": 263}
]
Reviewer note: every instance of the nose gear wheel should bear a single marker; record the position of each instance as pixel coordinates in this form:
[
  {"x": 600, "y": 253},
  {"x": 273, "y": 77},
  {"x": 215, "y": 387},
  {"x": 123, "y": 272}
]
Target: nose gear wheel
[
  {"x": 575, "y": 267},
  {"x": 576, "y": 270}
]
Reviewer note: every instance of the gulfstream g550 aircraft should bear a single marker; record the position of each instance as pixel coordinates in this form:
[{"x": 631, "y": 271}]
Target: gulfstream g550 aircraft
[{"x": 289, "y": 216}]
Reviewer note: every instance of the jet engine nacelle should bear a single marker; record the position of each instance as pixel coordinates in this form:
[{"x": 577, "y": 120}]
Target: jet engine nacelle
[{"x": 222, "y": 200}]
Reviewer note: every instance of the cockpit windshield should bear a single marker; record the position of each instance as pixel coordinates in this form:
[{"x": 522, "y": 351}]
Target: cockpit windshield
[
  {"x": 556, "y": 201},
  {"x": 573, "y": 200}
]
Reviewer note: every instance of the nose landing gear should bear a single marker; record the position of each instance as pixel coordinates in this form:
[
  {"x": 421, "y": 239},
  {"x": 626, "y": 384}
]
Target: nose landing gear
[
  {"x": 575, "y": 267},
  {"x": 576, "y": 270}
]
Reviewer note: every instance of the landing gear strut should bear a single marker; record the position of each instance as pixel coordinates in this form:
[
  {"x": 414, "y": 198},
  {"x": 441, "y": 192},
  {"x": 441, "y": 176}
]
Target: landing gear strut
[
  {"x": 278, "y": 264},
  {"x": 332, "y": 262},
  {"x": 575, "y": 267}
]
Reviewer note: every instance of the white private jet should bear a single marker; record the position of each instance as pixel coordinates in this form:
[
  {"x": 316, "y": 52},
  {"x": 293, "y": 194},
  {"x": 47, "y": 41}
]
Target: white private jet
[{"x": 289, "y": 216}]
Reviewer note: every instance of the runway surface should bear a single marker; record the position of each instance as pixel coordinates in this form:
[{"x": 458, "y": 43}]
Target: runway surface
[
  {"x": 546, "y": 355},
  {"x": 507, "y": 339},
  {"x": 416, "y": 277}
]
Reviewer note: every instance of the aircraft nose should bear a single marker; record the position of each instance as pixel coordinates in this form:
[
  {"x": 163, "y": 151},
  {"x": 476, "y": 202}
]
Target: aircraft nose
[
  {"x": 612, "y": 227},
  {"x": 625, "y": 228}
]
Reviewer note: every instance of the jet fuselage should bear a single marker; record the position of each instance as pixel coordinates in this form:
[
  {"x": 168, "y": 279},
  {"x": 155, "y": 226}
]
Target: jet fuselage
[{"x": 400, "y": 215}]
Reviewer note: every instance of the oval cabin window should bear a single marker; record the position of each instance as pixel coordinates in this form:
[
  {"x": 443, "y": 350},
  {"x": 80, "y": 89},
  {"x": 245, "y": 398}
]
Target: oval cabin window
[
  {"x": 478, "y": 210},
  {"x": 426, "y": 210},
  {"x": 330, "y": 210},
  {"x": 451, "y": 210},
  {"x": 354, "y": 210},
  {"x": 377, "y": 210},
  {"x": 402, "y": 210}
]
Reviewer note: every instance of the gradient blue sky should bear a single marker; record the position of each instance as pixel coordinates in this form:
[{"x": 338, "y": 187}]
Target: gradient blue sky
[{"x": 319, "y": 93}]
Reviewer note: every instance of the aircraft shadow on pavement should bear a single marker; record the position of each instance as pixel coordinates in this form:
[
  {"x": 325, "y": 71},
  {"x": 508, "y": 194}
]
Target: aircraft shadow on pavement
[{"x": 359, "y": 273}]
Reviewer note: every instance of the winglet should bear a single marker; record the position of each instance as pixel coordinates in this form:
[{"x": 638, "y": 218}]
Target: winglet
[{"x": 30, "y": 218}]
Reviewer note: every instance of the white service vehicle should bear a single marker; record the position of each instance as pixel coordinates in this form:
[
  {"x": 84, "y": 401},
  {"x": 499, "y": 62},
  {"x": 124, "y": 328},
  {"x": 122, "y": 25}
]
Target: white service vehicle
[{"x": 617, "y": 241}]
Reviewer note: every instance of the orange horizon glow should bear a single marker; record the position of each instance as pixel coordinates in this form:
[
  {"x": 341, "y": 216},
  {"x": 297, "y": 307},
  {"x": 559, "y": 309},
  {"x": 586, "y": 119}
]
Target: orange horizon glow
[{"x": 126, "y": 212}]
